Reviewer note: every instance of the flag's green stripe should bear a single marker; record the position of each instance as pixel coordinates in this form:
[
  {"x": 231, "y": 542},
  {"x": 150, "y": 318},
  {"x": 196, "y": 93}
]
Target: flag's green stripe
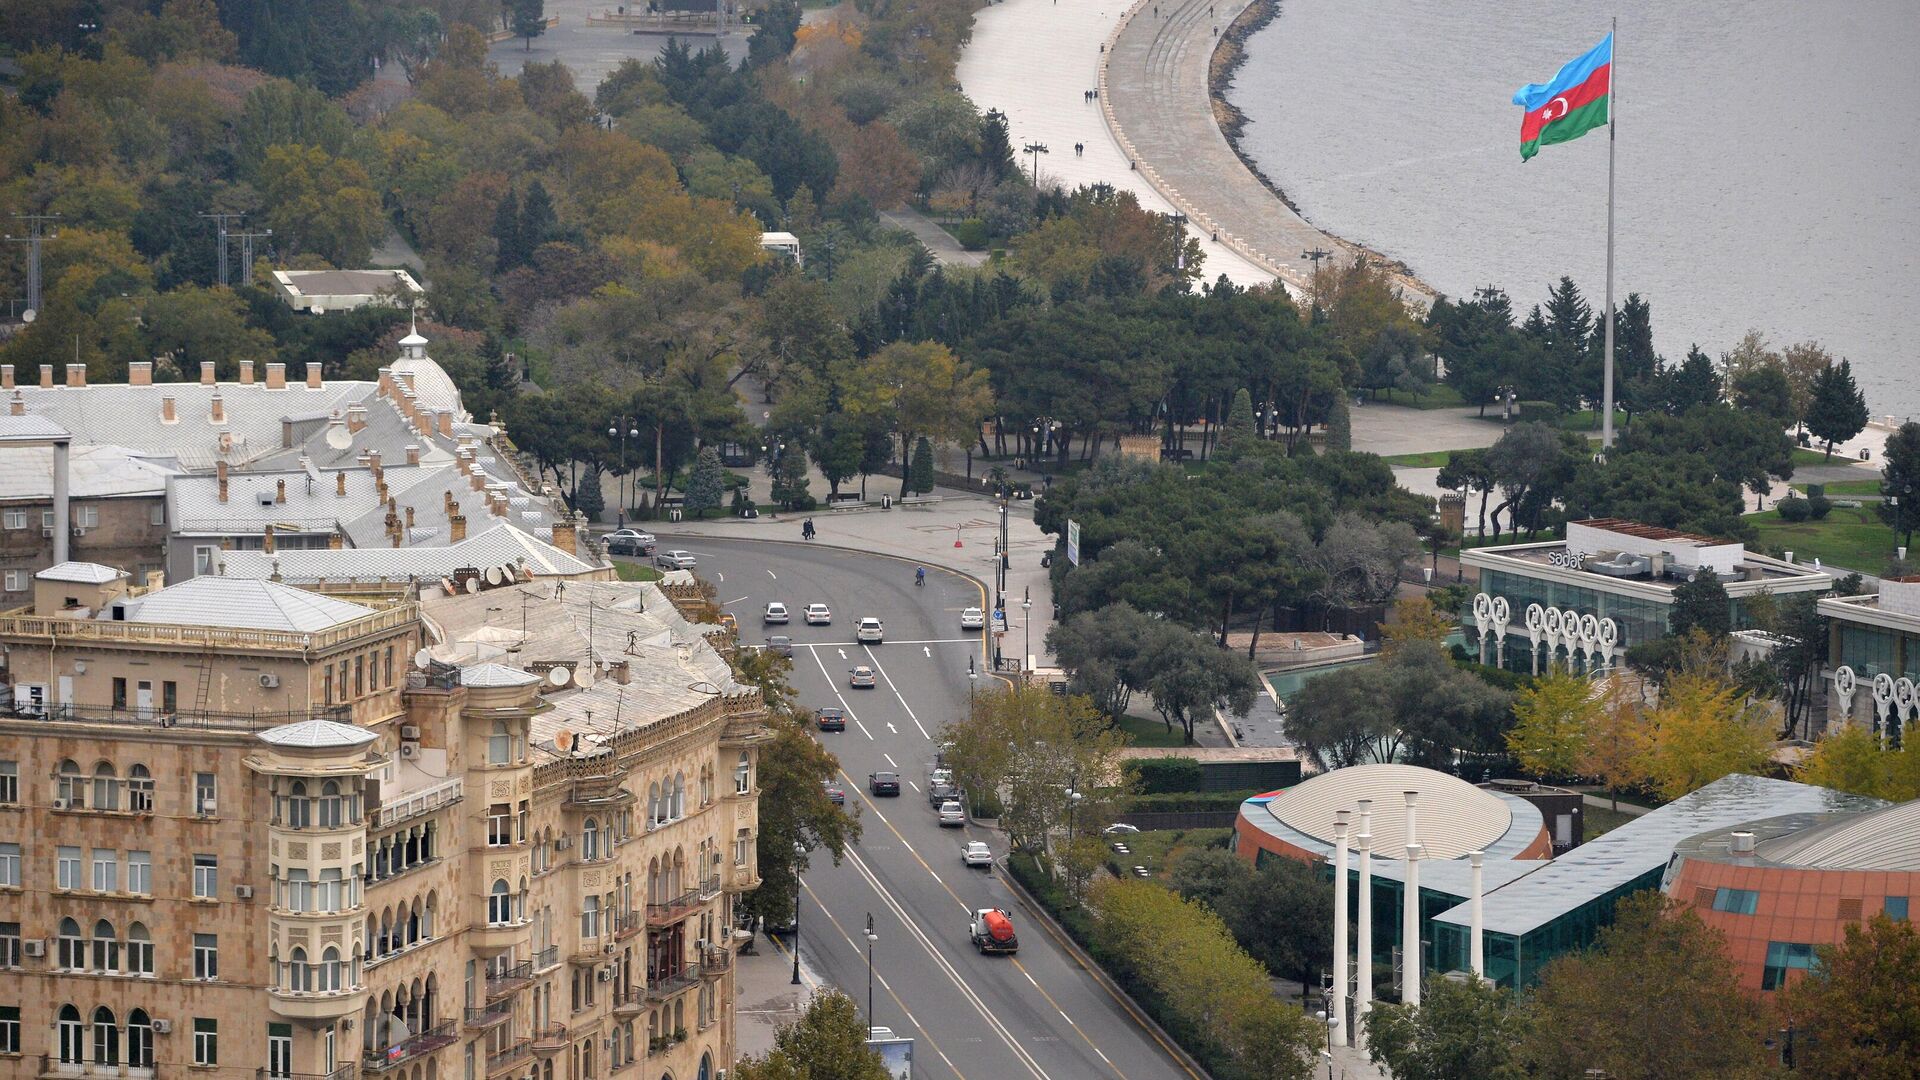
[{"x": 1576, "y": 123}]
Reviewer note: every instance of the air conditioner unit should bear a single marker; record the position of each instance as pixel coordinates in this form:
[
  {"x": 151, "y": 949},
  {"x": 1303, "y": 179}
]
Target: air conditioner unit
[
  {"x": 607, "y": 948},
  {"x": 162, "y": 1027},
  {"x": 243, "y": 892},
  {"x": 269, "y": 680},
  {"x": 563, "y": 843},
  {"x": 79, "y": 530},
  {"x": 34, "y": 947},
  {"x": 409, "y": 731},
  {"x": 47, "y": 531},
  {"x": 207, "y": 807},
  {"x": 409, "y": 749},
  {"x": 605, "y": 974},
  {"x": 59, "y": 804}
]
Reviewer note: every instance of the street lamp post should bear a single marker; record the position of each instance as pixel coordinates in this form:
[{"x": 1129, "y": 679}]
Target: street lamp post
[
  {"x": 871, "y": 938},
  {"x": 624, "y": 427},
  {"x": 1026, "y": 624},
  {"x": 798, "y": 851},
  {"x": 973, "y": 680},
  {"x": 1036, "y": 149}
]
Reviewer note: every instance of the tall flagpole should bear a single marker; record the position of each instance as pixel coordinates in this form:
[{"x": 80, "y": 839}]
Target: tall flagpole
[{"x": 1613, "y": 123}]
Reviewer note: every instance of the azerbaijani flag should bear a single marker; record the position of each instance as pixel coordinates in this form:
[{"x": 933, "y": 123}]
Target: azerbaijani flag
[{"x": 1574, "y": 103}]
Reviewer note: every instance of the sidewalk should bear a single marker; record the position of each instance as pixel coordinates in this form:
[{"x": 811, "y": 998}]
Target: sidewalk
[{"x": 766, "y": 996}]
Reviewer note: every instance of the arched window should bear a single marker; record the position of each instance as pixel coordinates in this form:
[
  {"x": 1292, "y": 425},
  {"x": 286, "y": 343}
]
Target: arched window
[
  {"x": 653, "y": 805},
  {"x": 106, "y": 947},
  {"x": 299, "y": 810},
  {"x": 331, "y": 816},
  {"x": 106, "y": 1037},
  {"x": 140, "y": 790},
  {"x": 139, "y": 1040},
  {"x": 106, "y": 787},
  {"x": 706, "y": 1066},
  {"x": 742, "y": 772},
  {"x": 679, "y": 795},
  {"x": 72, "y": 1036},
  {"x": 329, "y": 980},
  {"x": 71, "y": 790},
  {"x": 590, "y": 840},
  {"x": 139, "y": 950},
  {"x": 499, "y": 904},
  {"x": 500, "y": 744},
  {"x": 72, "y": 947}
]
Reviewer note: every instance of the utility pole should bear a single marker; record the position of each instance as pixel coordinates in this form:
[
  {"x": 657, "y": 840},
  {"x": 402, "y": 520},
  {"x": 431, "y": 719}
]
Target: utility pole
[
  {"x": 1036, "y": 149},
  {"x": 33, "y": 240},
  {"x": 223, "y": 223},
  {"x": 1315, "y": 255},
  {"x": 246, "y": 254}
]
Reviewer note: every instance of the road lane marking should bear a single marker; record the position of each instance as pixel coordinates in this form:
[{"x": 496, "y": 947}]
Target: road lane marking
[
  {"x": 895, "y": 641},
  {"x": 1063, "y": 1015},
  {"x": 773, "y": 575},
  {"x": 815, "y": 653},
  {"x": 911, "y": 715},
  {"x": 914, "y": 786},
  {"x": 889, "y": 758},
  {"x": 733, "y": 601},
  {"x": 855, "y": 946},
  {"x": 863, "y": 730}
]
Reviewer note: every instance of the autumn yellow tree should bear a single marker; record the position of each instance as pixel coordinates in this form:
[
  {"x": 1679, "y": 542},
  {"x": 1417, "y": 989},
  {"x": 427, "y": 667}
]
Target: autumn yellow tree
[
  {"x": 1616, "y": 745},
  {"x": 1702, "y": 730},
  {"x": 1851, "y": 760},
  {"x": 1414, "y": 618},
  {"x": 1554, "y": 720}
]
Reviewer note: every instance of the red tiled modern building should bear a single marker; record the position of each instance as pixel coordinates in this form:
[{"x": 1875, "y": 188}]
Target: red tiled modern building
[{"x": 1780, "y": 887}]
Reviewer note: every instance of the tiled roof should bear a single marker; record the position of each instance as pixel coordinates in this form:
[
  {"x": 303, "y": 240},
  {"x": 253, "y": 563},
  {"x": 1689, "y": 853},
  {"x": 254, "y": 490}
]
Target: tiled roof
[
  {"x": 29, "y": 428},
  {"x": 84, "y": 573},
  {"x": 93, "y": 472},
  {"x": 485, "y": 675},
  {"x": 130, "y": 416},
  {"x": 244, "y": 604},
  {"x": 317, "y": 734}
]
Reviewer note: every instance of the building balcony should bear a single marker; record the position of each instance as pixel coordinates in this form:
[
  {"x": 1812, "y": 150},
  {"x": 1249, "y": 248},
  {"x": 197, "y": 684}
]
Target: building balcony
[
  {"x": 201, "y": 639},
  {"x": 715, "y": 962},
  {"x": 660, "y": 987},
  {"x": 316, "y": 1004},
  {"x": 628, "y": 1002},
  {"x": 740, "y": 732},
  {"x": 50, "y": 1067},
  {"x": 379, "y": 1061},
  {"x": 496, "y": 938},
  {"x": 660, "y": 1044},
  {"x": 546, "y": 959},
  {"x": 344, "y": 1072},
  {"x": 673, "y": 909},
  {"x": 626, "y": 924},
  {"x": 490, "y": 1015},
  {"x": 591, "y": 792},
  {"x": 196, "y": 720},
  {"x": 518, "y": 1052},
  {"x": 404, "y": 807},
  {"x": 517, "y": 977},
  {"x": 710, "y": 887},
  {"x": 550, "y": 1039}
]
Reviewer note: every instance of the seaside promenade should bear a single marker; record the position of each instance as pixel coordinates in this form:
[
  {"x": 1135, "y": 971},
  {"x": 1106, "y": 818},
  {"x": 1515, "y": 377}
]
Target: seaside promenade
[{"x": 1035, "y": 60}]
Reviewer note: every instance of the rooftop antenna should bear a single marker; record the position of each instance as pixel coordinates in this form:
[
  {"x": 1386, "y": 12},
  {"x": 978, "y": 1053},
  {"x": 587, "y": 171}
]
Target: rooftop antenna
[
  {"x": 33, "y": 240},
  {"x": 221, "y": 229}
]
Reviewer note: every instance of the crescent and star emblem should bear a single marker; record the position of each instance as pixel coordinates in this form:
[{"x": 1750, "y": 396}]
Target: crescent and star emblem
[{"x": 1555, "y": 109}]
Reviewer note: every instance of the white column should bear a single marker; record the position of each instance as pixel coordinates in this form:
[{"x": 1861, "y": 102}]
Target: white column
[
  {"x": 1363, "y": 994},
  {"x": 1339, "y": 1003},
  {"x": 1476, "y": 955},
  {"x": 1410, "y": 915},
  {"x": 62, "y": 516}
]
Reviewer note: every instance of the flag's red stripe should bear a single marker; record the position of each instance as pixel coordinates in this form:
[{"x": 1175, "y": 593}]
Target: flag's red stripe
[{"x": 1586, "y": 93}]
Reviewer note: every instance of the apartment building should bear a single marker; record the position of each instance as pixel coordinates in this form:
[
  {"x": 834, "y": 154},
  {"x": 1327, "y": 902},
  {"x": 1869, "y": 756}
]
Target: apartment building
[{"x": 249, "y": 831}]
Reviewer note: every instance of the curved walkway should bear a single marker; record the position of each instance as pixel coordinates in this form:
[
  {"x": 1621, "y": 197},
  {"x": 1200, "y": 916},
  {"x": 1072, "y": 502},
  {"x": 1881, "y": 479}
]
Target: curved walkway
[
  {"x": 1034, "y": 60},
  {"x": 1154, "y": 76}
]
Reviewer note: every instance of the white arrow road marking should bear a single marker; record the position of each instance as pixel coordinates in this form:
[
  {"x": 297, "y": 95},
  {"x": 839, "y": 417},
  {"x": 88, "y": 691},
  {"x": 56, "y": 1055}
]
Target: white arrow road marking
[
  {"x": 896, "y": 693},
  {"x": 891, "y": 729},
  {"x": 773, "y": 575},
  {"x": 718, "y": 576},
  {"x": 843, "y": 656},
  {"x": 815, "y": 653},
  {"x": 928, "y": 650}
]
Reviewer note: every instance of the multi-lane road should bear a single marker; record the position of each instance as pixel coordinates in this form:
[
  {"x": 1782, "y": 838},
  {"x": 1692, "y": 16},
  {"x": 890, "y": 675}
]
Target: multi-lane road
[{"x": 1035, "y": 1015}]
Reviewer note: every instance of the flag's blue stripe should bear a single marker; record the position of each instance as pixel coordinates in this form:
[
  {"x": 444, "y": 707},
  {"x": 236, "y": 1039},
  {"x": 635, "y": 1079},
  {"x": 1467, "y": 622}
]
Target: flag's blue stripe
[{"x": 1576, "y": 71}]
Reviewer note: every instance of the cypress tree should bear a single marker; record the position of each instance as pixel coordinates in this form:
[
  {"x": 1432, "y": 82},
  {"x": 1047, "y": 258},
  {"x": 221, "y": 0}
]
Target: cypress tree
[
  {"x": 920, "y": 473},
  {"x": 506, "y": 233},
  {"x": 538, "y": 223}
]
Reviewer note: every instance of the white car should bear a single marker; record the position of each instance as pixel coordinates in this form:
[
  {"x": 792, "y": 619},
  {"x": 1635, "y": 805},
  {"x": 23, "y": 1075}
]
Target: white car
[
  {"x": 952, "y": 816},
  {"x": 818, "y": 615},
  {"x": 869, "y": 632},
  {"x": 638, "y": 536},
  {"x": 860, "y": 678},
  {"x": 776, "y": 613},
  {"x": 972, "y": 619},
  {"x": 977, "y": 853},
  {"x": 674, "y": 560},
  {"x": 1120, "y": 828}
]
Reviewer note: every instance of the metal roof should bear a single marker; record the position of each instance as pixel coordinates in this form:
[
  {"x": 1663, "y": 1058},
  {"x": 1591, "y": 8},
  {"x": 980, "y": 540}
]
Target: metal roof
[
  {"x": 317, "y": 734},
  {"x": 83, "y": 573},
  {"x": 494, "y": 675},
  {"x": 1453, "y": 816},
  {"x": 93, "y": 472},
  {"x": 1886, "y": 839},
  {"x": 30, "y": 428},
  {"x": 242, "y": 603},
  {"x": 501, "y": 545}
]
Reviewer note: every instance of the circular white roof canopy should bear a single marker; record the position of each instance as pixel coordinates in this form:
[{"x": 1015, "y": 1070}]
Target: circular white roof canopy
[
  {"x": 1452, "y": 816},
  {"x": 317, "y": 735}
]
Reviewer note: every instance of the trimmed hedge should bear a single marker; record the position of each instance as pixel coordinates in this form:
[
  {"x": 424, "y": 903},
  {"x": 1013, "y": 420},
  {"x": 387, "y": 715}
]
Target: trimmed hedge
[
  {"x": 1183, "y": 801},
  {"x": 1161, "y": 775}
]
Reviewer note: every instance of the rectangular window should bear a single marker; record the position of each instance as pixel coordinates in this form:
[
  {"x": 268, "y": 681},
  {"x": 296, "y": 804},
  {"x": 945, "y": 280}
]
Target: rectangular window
[
  {"x": 204, "y": 793},
  {"x": 387, "y": 679},
  {"x": 279, "y": 1051},
  {"x": 499, "y": 825},
  {"x": 16, "y": 581},
  {"x": 169, "y": 696},
  {"x": 157, "y": 514},
  {"x": 140, "y": 872},
  {"x": 1782, "y": 957},
  {"x": 106, "y": 870},
  {"x": 1895, "y": 908},
  {"x": 16, "y": 517},
  {"x": 206, "y": 877},
  {"x": 10, "y": 864},
  {"x": 206, "y": 1041},
  {"x": 326, "y": 685},
  {"x": 359, "y": 675},
  {"x": 1736, "y": 901},
  {"x": 9, "y": 944},
  {"x": 206, "y": 956},
  {"x": 86, "y": 517},
  {"x": 9, "y": 781},
  {"x": 119, "y": 693},
  {"x": 590, "y": 917},
  {"x": 203, "y": 559},
  {"x": 67, "y": 873},
  {"x": 9, "y": 1029},
  {"x": 46, "y": 519}
]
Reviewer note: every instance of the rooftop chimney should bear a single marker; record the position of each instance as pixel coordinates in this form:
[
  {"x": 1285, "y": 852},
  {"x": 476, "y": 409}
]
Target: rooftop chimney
[
  {"x": 413, "y": 453},
  {"x": 356, "y": 417},
  {"x": 220, "y": 470},
  {"x": 266, "y": 540},
  {"x": 276, "y": 376},
  {"x": 246, "y": 373},
  {"x": 334, "y": 542},
  {"x": 280, "y": 494},
  {"x": 563, "y": 536},
  {"x": 139, "y": 373},
  {"x": 206, "y": 373},
  {"x": 19, "y": 405},
  {"x": 314, "y": 369},
  {"x": 443, "y": 420},
  {"x": 340, "y": 483},
  {"x": 167, "y": 414},
  {"x": 217, "y": 411},
  {"x": 77, "y": 375},
  {"x": 409, "y": 517},
  {"x": 457, "y": 528},
  {"x": 386, "y": 381},
  {"x": 6, "y": 376},
  {"x": 46, "y": 376}
]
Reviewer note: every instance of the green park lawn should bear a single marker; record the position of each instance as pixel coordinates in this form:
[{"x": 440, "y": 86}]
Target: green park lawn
[
  {"x": 1426, "y": 459},
  {"x": 633, "y": 571},
  {"x": 1850, "y": 539},
  {"x": 1150, "y": 731},
  {"x": 1157, "y": 849},
  {"x": 1846, "y": 489}
]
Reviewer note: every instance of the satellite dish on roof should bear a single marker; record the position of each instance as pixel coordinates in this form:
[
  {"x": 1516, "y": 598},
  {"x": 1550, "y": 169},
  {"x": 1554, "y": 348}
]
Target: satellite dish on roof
[
  {"x": 422, "y": 658},
  {"x": 558, "y": 676},
  {"x": 563, "y": 739},
  {"x": 338, "y": 437},
  {"x": 317, "y": 309},
  {"x": 29, "y": 315},
  {"x": 493, "y": 575},
  {"x": 583, "y": 678},
  {"x": 473, "y": 585}
]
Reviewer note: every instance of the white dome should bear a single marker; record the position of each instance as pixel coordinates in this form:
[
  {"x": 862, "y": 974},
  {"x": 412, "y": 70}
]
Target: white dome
[
  {"x": 1452, "y": 816},
  {"x": 316, "y": 735}
]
